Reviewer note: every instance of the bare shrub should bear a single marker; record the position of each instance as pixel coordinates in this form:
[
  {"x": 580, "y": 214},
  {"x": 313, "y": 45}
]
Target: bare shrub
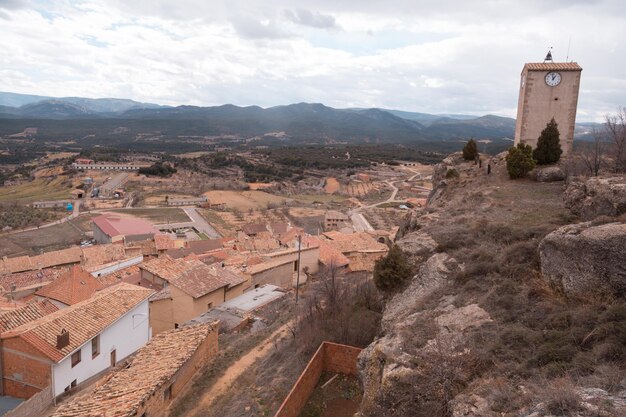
[
  {"x": 559, "y": 396},
  {"x": 338, "y": 308}
]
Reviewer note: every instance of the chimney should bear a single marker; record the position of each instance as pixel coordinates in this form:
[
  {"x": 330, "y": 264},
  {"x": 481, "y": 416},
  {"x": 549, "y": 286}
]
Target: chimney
[{"x": 63, "y": 339}]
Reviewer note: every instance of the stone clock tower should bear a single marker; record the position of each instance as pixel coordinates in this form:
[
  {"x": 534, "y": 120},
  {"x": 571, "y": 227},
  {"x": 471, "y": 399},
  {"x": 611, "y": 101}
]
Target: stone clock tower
[{"x": 548, "y": 89}]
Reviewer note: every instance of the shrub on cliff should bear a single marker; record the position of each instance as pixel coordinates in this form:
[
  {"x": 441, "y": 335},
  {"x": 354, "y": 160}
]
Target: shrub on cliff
[
  {"x": 548, "y": 149},
  {"x": 519, "y": 161},
  {"x": 392, "y": 271},
  {"x": 470, "y": 150}
]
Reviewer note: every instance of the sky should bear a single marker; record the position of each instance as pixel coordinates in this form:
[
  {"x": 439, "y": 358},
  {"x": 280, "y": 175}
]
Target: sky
[{"x": 435, "y": 57}]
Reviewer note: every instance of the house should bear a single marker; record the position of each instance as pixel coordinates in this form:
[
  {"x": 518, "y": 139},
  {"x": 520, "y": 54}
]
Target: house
[
  {"x": 19, "y": 285},
  {"x": 279, "y": 268},
  {"x": 240, "y": 311},
  {"x": 157, "y": 374},
  {"x": 71, "y": 287},
  {"x": 77, "y": 194},
  {"x": 253, "y": 229},
  {"x": 362, "y": 249},
  {"x": 29, "y": 312},
  {"x": 51, "y": 204},
  {"x": 190, "y": 287},
  {"x": 112, "y": 228},
  {"x": 71, "y": 345},
  {"x": 334, "y": 220}
]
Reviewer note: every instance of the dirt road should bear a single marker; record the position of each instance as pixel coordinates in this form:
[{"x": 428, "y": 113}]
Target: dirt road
[{"x": 236, "y": 370}]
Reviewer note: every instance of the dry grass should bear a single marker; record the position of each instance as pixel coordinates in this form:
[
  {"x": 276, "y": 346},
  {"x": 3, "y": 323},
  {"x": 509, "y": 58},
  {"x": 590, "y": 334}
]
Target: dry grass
[{"x": 39, "y": 189}]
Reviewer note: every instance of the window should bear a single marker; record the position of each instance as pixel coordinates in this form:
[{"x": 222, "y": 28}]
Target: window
[
  {"x": 75, "y": 358},
  {"x": 95, "y": 346},
  {"x": 73, "y": 384},
  {"x": 295, "y": 266},
  {"x": 209, "y": 306},
  {"x": 176, "y": 325},
  {"x": 167, "y": 394}
]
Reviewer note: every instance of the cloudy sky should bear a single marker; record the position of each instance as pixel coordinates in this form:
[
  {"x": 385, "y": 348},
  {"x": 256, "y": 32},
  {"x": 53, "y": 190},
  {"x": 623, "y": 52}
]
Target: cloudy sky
[{"x": 438, "y": 57}]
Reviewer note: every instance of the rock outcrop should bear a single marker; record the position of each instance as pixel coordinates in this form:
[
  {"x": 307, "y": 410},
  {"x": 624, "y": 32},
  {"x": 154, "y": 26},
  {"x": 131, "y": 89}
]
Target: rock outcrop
[
  {"x": 418, "y": 245},
  {"x": 547, "y": 174},
  {"x": 391, "y": 366},
  {"x": 593, "y": 197},
  {"x": 584, "y": 260}
]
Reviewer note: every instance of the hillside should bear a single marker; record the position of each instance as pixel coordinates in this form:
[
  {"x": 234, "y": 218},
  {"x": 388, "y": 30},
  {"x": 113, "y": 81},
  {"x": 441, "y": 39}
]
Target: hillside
[{"x": 485, "y": 327}]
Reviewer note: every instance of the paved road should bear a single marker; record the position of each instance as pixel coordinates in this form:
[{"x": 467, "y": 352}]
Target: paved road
[
  {"x": 359, "y": 223},
  {"x": 197, "y": 221},
  {"x": 111, "y": 185}
]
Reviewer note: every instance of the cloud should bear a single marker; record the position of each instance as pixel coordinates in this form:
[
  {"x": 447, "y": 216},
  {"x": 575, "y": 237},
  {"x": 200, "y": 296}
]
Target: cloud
[
  {"x": 312, "y": 19},
  {"x": 444, "y": 57}
]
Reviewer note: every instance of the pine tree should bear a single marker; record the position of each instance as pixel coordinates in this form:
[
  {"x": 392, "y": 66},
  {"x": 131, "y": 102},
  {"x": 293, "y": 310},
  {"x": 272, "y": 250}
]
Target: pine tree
[
  {"x": 470, "y": 150},
  {"x": 519, "y": 160},
  {"x": 391, "y": 271},
  {"x": 548, "y": 149}
]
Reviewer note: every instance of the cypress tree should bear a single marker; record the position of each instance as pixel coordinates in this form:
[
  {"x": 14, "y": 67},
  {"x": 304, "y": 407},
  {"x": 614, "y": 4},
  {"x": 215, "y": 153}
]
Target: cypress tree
[
  {"x": 470, "y": 150},
  {"x": 548, "y": 149}
]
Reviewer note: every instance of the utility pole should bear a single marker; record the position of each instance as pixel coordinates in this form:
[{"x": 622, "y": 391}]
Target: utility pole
[{"x": 298, "y": 267}]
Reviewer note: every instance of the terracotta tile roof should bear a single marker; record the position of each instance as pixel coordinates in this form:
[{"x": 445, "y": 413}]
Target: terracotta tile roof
[
  {"x": 58, "y": 257},
  {"x": 83, "y": 320},
  {"x": 201, "y": 279},
  {"x": 17, "y": 264},
  {"x": 32, "y": 311},
  {"x": 553, "y": 66},
  {"x": 363, "y": 261},
  {"x": 115, "y": 225},
  {"x": 191, "y": 275},
  {"x": 102, "y": 254},
  {"x": 329, "y": 256},
  {"x": 163, "y": 294},
  {"x": 355, "y": 242},
  {"x": 336, "y": 215},
  {"x": 165, "y": 267},
  {"x": 254, "y": 228},
  {"x": 71, "y": 287},
  {"x": 203, "y": 246},
  {"x": 164, "y": 242},
  {"x": 10, "y": 305},
  {"x": 141, "y": 247},
  {"x": 154, "y": 365},
  {"x": 30, "y": 278},
  {"x": 279, "y": 228},
  {"x": 267, "y": 265},
  {"x": 291, "y": 235}
]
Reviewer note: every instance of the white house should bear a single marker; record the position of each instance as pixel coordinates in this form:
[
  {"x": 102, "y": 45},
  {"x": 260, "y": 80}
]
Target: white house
[{"x": 72, "y": 345}]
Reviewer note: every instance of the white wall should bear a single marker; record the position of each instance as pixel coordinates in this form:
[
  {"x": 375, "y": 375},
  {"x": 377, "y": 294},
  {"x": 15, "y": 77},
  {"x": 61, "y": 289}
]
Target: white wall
[
  {"x": 128, "y": 334},
  {"x": 117, "y": 266}
]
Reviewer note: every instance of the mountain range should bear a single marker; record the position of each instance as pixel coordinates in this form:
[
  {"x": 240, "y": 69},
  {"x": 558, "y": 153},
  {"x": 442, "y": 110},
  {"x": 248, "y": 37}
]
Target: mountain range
[{"x": 302, "y": 121}]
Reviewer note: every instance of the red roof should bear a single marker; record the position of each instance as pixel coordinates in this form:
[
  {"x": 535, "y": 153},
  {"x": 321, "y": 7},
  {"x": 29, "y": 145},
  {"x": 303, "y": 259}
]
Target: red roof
[
  {"x": 72, "y": 287},
  {"x": 553, "y": 66},
  {"x": 116, "y": 225}
]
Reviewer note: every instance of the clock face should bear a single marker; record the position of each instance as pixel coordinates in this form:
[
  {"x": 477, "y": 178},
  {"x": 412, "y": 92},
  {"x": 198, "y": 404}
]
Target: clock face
[{"x": 553, "y": 79}]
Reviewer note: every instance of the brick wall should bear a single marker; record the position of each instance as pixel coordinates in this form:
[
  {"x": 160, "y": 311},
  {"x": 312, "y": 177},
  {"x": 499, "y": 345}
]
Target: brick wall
[
  {"x": 34, "y": 406},
  {"x": 330, "y": 357},
  {"x": 25, "y": 371}
]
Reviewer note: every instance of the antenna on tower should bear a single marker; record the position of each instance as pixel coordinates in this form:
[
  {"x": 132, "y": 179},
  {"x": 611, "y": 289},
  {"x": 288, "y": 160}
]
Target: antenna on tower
[
  {"x": 548, "y": 56},
  {"x": 569, "y": 42}
]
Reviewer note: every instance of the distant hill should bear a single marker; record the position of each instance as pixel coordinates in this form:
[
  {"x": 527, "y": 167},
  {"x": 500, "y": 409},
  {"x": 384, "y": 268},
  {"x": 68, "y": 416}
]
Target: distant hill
[
  {"x": 100, "y": 119},
  {"x": 67, "y": 107}
]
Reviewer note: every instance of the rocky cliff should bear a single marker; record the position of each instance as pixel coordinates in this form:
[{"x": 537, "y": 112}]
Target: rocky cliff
[{"x": 489, "y": 325}]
